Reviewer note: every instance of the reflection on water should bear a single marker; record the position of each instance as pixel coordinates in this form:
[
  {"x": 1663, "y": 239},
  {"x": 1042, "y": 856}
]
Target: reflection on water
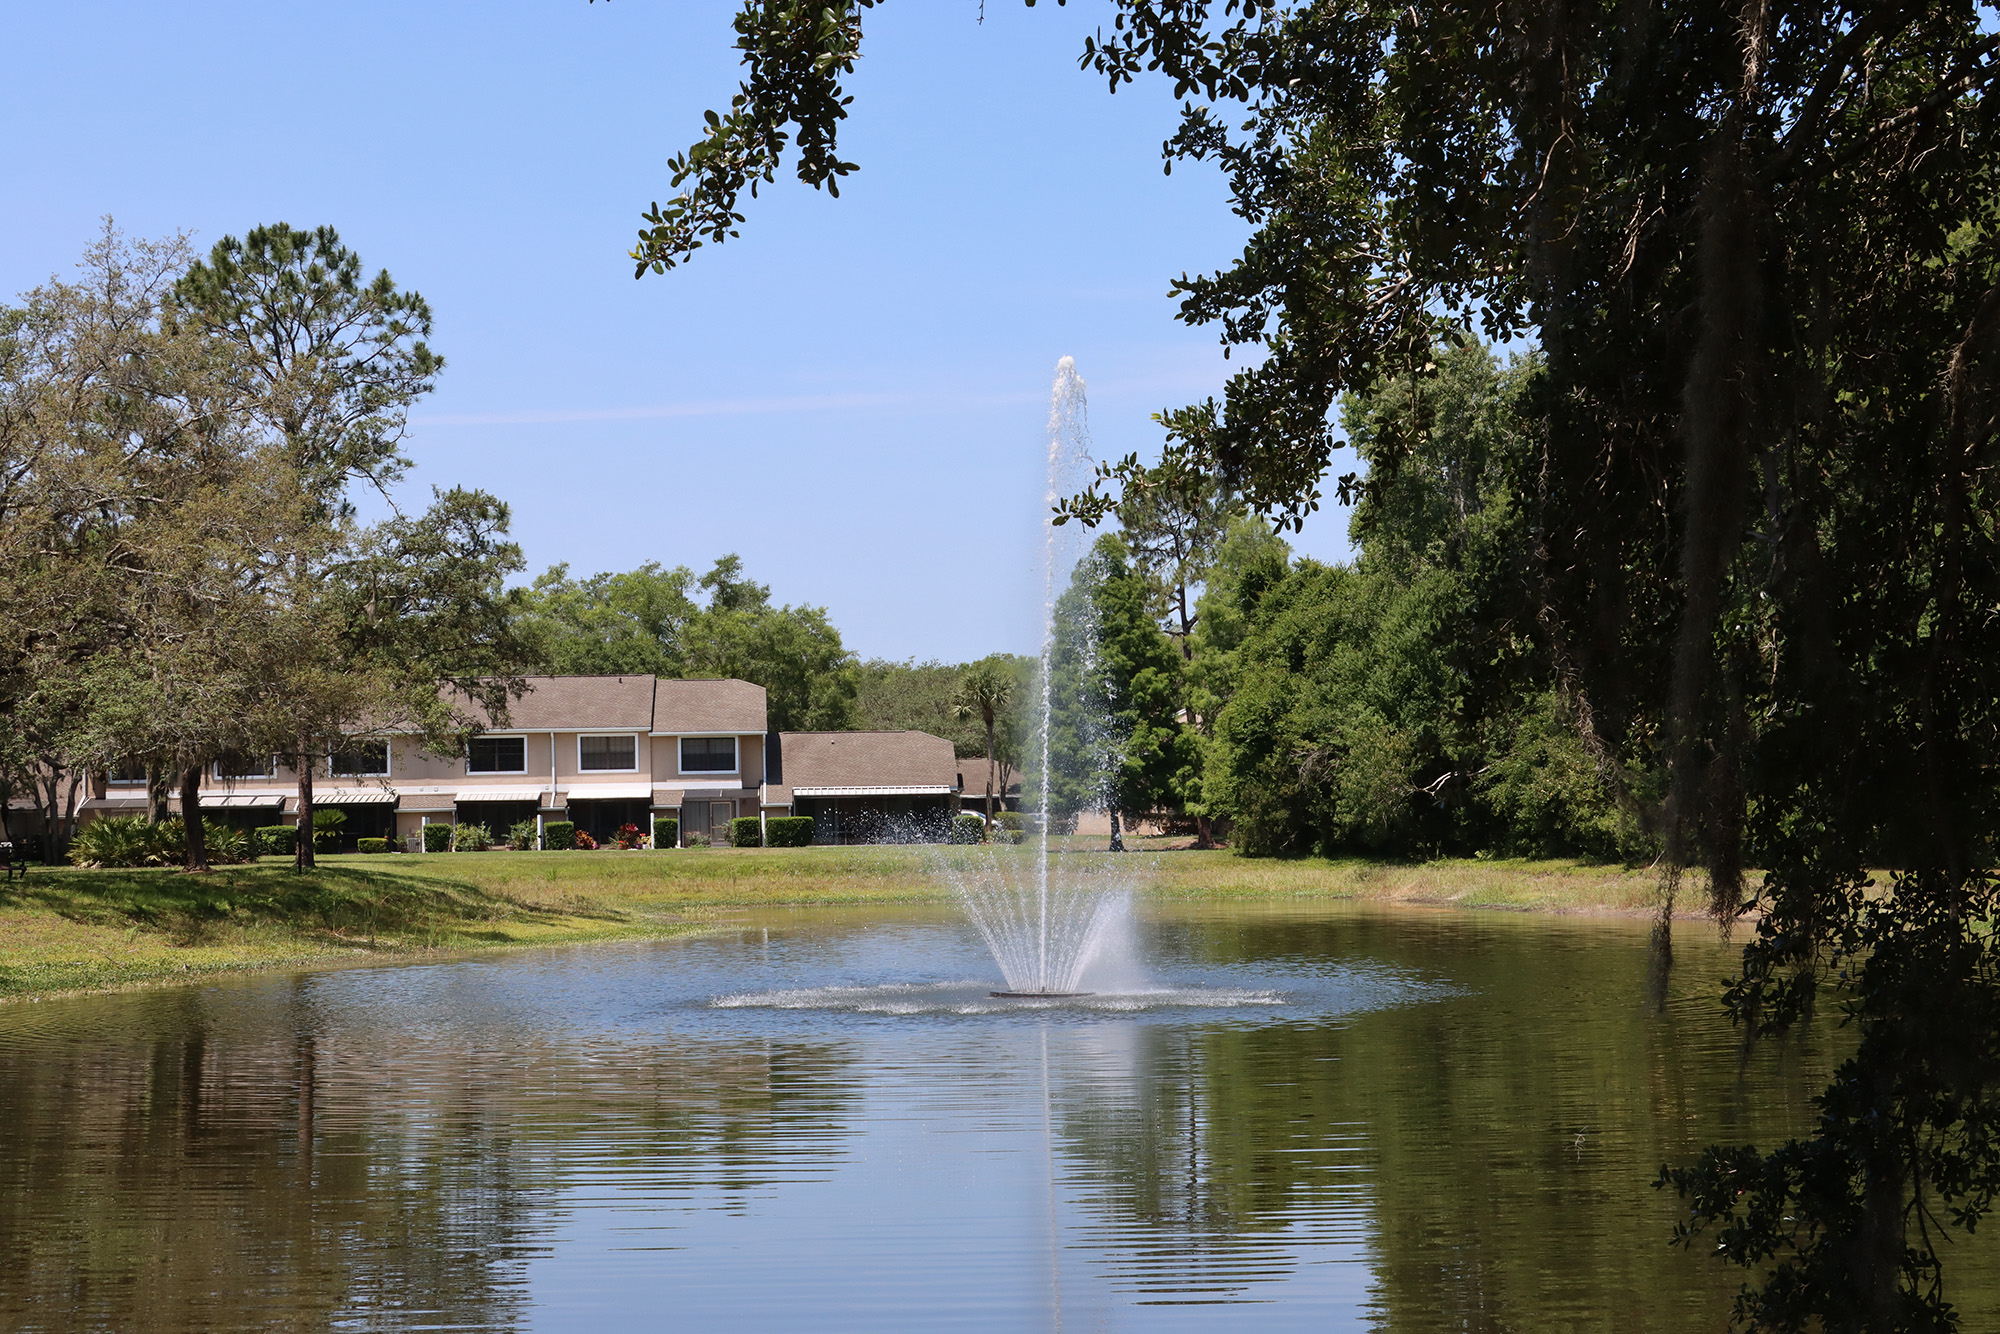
[{"x": 1325, "y": 1119}]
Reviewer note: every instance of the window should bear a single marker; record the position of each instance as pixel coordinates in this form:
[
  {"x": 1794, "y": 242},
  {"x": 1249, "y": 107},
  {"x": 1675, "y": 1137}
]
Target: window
[
  {"x": 360, "y": 759},
  {"x": 607, "y": 752},
  {"x": 708, "y": 754},
  {"x": 246, "y": 766},
  {"x": 129, "y": 771},
  {"x": 497, "y": 755}
]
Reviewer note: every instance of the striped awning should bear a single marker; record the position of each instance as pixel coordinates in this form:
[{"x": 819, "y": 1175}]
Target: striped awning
[
  {"x": 115, "y": 805},
  {"x": 243, "y": 801},
  {"x": 354, "y": 796},
  {"x": 466, "y": 794},
  {"x": 609, "y": 792}
]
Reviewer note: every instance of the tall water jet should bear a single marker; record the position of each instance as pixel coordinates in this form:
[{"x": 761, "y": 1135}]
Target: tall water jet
[{"x": 1045, "y": 928}]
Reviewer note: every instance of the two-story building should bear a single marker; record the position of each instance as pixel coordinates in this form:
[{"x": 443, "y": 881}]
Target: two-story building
[{"x": 602, "y": 752}]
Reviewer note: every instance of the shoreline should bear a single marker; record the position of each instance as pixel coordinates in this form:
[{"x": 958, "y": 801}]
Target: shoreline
[{"x": 66, "y": 931}]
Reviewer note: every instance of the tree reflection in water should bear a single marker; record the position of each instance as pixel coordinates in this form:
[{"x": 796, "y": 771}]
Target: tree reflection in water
[{"x": 1450, "y": 1126}]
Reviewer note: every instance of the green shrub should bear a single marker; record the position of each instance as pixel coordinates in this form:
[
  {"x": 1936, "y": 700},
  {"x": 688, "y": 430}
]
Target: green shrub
[
  {"x": 115, "y": 840},
  {"x": 223, "y": 843},
  {"x": 666, "y": 833},
  {"x": 746, "y": 831},
  {"x": 277, "y": 840},
  {"x": 437, "y": 838},
  {"x": 559, "y": 835},
  {"x": 471, "y": 838},
  {"x": 968, "y": 828},
  {"x": 371, "y": 845},
  {"x": 129, "y": 840},
  {"x": 521, "y": 836},
  {"x": 327, "y": 823},
  {"x": 1013, "y": 821},
  {"x": 789, "y": 831},
  {"x": 697, "y": 839}
]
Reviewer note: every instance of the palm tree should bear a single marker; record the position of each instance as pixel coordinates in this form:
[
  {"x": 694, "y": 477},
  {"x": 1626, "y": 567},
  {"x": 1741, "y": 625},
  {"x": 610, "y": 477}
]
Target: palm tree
[{"x": 983, "y": 692}]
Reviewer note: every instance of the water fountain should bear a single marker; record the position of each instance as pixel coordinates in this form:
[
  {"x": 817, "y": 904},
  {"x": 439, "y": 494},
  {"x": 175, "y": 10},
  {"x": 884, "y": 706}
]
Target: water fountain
[{"x": 1045, "y": 924}]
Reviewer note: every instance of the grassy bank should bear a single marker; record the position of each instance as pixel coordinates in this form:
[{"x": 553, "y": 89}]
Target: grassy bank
[{"x": 65, "y": 930}]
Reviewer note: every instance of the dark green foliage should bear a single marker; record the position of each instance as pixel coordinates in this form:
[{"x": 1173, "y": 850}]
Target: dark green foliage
[
  {"x": 650, "y": 621},
  {"x": 371, "y": 845},
  {"x": 437, "y": 837},
  {"x": 276, "y": 840},
  {"x": 789, "y": 831},
  {"x": 967, "y": 827},
  {"x": 666, "y": 833},
  {"x": 471, "y": 838},
  {"x": 521, "y": 836},
  {"x": 128, "y": 840},
  {"x": 327, "y": 824},
  {"x": 559, "y": 835},
  {"x": 746, "y": 831},
  {"x": 1115, "y": 741}
]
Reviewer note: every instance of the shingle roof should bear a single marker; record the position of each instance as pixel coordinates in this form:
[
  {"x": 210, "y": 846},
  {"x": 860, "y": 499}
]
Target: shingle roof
[
  {"x": 708, "y": 706},
  {"x": 1006, "y": 779},
  {"x": 639, "y": 703},
  {"x": 567, "y": 703},
  {"x": 867, "y": 760}
]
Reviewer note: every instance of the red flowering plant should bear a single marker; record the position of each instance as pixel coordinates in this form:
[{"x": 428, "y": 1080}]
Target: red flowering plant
[
  {"x": 630, "y": 837},
  {"x": 584, "y": 842}
]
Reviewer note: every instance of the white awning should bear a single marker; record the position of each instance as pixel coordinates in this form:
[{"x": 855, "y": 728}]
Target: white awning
[
  {"x": 913, "y": 791},
  {"x": 114, "y": 804},
  {"x": 465, "y": 794},
  {"x": 609, "y": 792},
  {"x": 242, "y": 801},
  {"x": 354, "y": 796}
]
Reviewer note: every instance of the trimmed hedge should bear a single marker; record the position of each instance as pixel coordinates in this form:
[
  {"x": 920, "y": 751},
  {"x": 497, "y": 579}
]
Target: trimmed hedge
[
  {"x": 1014, "y": 820},
  {"x": 789, "y": 831},
  {"x": 277, "y": 840},
  {"x": 746, "y": 831},
  {"x": 559, "y": 835},
  {"x": 437, "y": 838},
  {"x": 371, "y": 845},
  {"x": 666, "y": 833},
  {"x": 968, "y": 828}
]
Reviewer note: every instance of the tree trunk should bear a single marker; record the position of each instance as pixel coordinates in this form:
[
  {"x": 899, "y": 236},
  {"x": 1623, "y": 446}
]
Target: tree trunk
[
  {"x": 1204, "y": 833},
  {"x": 159, "y": 786},
  {"x": 1117, "y": 840},
  {"x": 302, "y": 846},
  {"x": 197, "y": 844},
  {"x": 989, "y": 774}
]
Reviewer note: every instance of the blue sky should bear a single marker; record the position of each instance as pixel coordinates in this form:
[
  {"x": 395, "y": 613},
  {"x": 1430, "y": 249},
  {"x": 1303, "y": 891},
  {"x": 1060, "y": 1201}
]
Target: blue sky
[{"x": 852, "y": 396}]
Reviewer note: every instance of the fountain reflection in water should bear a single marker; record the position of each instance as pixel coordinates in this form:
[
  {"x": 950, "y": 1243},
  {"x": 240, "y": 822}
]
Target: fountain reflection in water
[{"x": 1048, "y": 925}]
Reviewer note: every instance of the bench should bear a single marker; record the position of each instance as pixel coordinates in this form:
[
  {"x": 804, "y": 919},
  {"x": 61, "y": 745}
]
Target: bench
[{"x": 10, "y": 864}]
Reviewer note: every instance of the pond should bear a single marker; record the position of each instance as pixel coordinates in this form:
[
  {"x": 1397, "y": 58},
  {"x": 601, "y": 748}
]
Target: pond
[{"x": 1310, "y": 1117}]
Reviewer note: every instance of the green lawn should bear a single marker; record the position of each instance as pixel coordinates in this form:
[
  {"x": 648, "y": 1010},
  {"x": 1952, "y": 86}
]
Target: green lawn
[{"x": 75, "y": 930}]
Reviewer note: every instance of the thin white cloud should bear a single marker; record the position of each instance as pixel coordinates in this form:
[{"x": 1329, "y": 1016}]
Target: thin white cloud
[
  {"x": 722, "y": 407},
  {"x": 932, "y": 400}
]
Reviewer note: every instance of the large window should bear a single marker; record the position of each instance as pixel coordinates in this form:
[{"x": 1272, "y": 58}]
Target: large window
[
  {"x": 497, "y": 755},
  {"x": 246, "y": 766},
  {"x": 360, "y": 759},
  {"x": 599, "y": 753},
  {"x": 708, "y": 754}
]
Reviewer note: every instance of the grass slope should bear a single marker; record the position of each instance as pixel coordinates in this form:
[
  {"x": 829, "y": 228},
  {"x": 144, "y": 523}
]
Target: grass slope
[{"x": 64, "y": 930}]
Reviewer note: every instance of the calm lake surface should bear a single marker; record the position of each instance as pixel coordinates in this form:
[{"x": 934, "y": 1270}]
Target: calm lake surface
[{"x": 1309, "y": 1118}]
